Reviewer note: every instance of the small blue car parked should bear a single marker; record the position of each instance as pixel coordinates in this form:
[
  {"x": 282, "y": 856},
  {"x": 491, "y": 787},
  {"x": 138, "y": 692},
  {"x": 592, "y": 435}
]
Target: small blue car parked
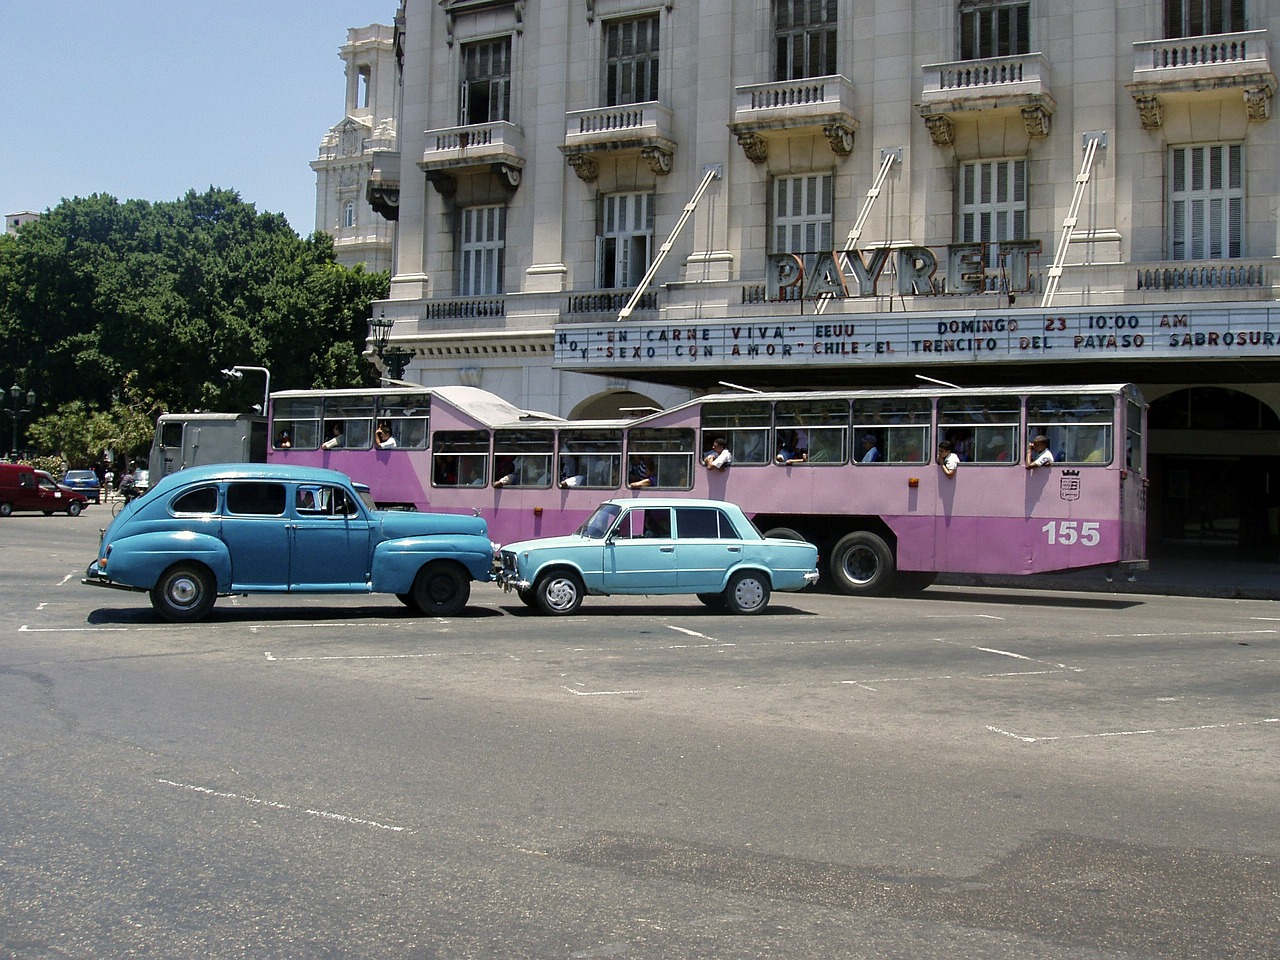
[
  {"x": 225, "y": 529},
  {"x": 658, "y": 545}
]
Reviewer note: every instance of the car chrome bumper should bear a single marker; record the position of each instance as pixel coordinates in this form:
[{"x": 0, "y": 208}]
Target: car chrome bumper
[
  {"x": 508, "y": 580},
  {"x": 95, "y": 578},
  {"x": 811, "y": 577}
]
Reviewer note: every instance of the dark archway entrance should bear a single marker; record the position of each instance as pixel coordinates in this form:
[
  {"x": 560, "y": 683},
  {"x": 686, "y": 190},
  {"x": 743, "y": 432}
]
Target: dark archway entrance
[{"x": 1214, "y": 465}]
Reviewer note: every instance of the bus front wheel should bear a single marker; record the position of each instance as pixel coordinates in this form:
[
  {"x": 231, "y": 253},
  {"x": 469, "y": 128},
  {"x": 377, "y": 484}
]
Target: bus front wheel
[{"x": 862, "y": 564}]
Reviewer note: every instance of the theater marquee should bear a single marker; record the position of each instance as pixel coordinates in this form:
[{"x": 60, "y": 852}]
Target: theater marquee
[{"x": 1201, "y": 332}]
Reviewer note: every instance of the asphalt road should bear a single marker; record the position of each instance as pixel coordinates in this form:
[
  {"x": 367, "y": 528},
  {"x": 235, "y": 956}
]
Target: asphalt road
[{"x": 973, "y": 773}]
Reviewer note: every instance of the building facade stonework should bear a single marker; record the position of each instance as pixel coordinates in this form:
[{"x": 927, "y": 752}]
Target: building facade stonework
[
  {"x": 983, "y": 191},
  {"x": 354, "y": 150}
]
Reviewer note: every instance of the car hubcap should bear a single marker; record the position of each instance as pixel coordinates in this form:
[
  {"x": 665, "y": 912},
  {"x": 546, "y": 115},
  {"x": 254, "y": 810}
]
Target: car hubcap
[
  {"x": 749, "y": 594},
  {"x": 183, "y": 591},
  {"x": 561, "y": 594}
]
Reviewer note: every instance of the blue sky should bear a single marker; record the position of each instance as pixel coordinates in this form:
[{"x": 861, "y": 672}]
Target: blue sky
[{"x": 146, "y": 99}]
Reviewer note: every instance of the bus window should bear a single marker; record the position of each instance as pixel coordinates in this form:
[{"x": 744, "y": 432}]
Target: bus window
[
  {"x": 590, "y": 458},
  {"x": 663, "y": 455},
  {"x": 745, "y": 425},
  {"x": 899, "y": 424},
  {"x": 354, "y": 415},
  {"x": 986, "y": 425},
  {"x": 818, "y": 429},
  {"x": 1078, "y": 425},
  {"x": 982, "y": 429},
  {"x": 299, "y": 420},
  {"x": 407, "y": 417},
  {"x": 522, "y": 458},
  {"x": 460, "y": 458}
]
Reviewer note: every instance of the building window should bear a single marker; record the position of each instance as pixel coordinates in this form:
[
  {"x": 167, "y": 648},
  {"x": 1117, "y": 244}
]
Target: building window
[
  {"x": 486, "y": 82},
  {"x": 362, "y": 88},
  {"x": 631, "y": 61},
  {"x": 1206, "y": 202},
  {"x": 625, "y": 242},
  {"x": 804, "y": 33},
  {"x": 802, "y": 213},
  {"x": 993, "y": 204},
  {"x": 481, "y": 250},
  {"x": 1198, "y": 18},
  {"x": 991, "y": 28},
  {"x": 349, "y": 214}
]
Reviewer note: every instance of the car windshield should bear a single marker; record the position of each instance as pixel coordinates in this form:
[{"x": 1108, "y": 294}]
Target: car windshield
[{"x": 599, "y": 523}]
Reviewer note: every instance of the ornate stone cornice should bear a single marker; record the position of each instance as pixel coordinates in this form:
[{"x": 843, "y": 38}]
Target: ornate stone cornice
[
  {"x": 941, "y": 130},
  {"x": 754, "y": 146},
  {"x": 583, "y": 165},
  {"x": 384, "y": 198},
  {"x": 1036, "y": 120},
  {"x": 1150, "y": 112},
  {"x": 658, "y": 159},
  {"x": 840, "y": 137},
  {"x": 446, "y": 184}
]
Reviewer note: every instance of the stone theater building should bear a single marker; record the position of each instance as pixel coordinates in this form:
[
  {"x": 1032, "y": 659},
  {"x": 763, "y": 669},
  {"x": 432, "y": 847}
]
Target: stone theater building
[{"x": 613, "y": 204}]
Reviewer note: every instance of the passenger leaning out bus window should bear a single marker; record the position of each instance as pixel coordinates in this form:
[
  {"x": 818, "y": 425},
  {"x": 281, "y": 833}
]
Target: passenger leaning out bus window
[
  {"x": 948, "y": 459},
  {"x": 718, "y": 457}
]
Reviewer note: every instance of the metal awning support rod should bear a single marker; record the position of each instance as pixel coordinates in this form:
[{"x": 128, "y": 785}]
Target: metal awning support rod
[
  {"x": 1092, "y": 141},
  {"x": 887, "y": 159},
  {"x": 712, "y": 173}
]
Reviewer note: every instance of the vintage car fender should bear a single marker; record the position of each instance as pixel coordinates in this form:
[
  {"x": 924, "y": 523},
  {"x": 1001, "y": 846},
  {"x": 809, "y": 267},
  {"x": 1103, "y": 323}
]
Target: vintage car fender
[
  {"x": 139, "y": 560},
  {"x": 396, "y": 562}
]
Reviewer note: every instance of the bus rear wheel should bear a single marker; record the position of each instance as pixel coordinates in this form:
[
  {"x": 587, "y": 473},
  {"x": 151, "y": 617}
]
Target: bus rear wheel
[{"x": 862, "y": 564}]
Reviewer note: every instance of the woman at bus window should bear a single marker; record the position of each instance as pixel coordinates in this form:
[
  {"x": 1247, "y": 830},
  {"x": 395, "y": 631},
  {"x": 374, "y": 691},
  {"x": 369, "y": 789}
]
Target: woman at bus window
[
  {"x": 948, "y": 459},
  {"x": 870, "y": 449},
  {"x": 284, "y": 443}
]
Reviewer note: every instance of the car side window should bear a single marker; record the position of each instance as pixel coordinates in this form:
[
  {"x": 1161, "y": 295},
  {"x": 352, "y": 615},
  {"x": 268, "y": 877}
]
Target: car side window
[
  {"x": 202, "y": 500},
  {"x": 252, "y": 498},
  {"x": 703, "y": 523},
  {"x": 318, "y": 500},
  {"x": 650, "y": 522}
]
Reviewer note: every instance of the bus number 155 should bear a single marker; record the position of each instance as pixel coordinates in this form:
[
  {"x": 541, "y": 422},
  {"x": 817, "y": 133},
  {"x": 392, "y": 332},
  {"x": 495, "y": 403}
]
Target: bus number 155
[{"x": 1068, "y": 532}]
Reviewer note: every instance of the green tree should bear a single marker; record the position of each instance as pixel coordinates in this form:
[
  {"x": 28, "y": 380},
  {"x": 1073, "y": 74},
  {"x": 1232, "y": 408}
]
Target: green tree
[{"x": 98, "y": 293}]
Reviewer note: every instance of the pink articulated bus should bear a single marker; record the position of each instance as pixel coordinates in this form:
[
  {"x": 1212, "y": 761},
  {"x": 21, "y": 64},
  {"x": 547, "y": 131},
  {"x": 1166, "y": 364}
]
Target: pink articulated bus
[{"x": 859, "y": 473}]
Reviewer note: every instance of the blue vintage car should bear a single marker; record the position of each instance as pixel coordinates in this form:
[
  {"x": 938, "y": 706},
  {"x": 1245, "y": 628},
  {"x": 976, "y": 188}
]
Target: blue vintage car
[
  {"x": 225, "y": 529},
  {"x": 658, "y": 545}
]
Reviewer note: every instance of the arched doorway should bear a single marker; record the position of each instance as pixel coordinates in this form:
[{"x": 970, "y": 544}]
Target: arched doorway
[
  {"x": 1214, "y": 464},
  {"x": 613, "y": 405}
]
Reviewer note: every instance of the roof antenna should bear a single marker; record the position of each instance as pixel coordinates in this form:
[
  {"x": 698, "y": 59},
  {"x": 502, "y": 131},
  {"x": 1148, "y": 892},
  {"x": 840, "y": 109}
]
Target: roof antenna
[
  {"x": 941, "y": 383},
  {"x": 735, "y": 386}
]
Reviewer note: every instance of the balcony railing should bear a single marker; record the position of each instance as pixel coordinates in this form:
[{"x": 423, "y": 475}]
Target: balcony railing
[
  {"x": 791, "y": 103},
  {"x": 1023, "y": 75},
  {"x": 466, "y": 309},
  {"x": 631, "y": 124},
  {"x": 1186, "y": 58},
  {"x": 473, "y": 145},
  {"x": 1192, "y": 276},
  {"x": 609, "y": 301}
]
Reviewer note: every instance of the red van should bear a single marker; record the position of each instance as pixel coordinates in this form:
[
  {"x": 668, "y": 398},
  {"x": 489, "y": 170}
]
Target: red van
[{"x": 23, "y": 487}]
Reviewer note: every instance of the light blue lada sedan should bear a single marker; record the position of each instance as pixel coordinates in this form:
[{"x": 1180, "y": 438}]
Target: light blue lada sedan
[
  {"x": 224, "y": 529},
  {"x": 658, "y": 545}
]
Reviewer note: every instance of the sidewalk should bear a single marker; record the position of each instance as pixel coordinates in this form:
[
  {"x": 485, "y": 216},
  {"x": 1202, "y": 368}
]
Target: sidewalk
[{"x": 1203, "y": 572}]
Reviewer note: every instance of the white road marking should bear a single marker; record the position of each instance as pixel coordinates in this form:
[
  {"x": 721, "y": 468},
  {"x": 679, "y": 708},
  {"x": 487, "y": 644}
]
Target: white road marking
[
  {"x": 692, "y": 633},
  {"x": 1134, "y": 733},
  {"x": 948, "y": 676},
  {"x": 275, "y": 805},
  {"x": 1003, "y": 653},
  {"x": 66, "y": 578},
  {"x": 1193, "y": 633},
  {"x": 363, "y": 656},
  {"x": 600, "y": 693},
  {"x": 26, "y": 629}
]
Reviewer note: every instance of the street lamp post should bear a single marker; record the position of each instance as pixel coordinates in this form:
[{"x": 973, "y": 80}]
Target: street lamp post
[
  {"x": 238, "y": 372},
  {"x": 394, "y": 358},
  {"x": 16, "y": 414}
]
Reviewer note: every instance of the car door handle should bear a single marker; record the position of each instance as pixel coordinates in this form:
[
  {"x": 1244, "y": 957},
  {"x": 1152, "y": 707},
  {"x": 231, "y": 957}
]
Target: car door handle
[
  {"x": 667, "y": 549},
  {"x": 735, "y": 549}
]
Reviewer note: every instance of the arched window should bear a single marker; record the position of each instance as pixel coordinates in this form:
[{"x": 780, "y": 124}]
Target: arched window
[{"x": 1211, "y": 408}]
